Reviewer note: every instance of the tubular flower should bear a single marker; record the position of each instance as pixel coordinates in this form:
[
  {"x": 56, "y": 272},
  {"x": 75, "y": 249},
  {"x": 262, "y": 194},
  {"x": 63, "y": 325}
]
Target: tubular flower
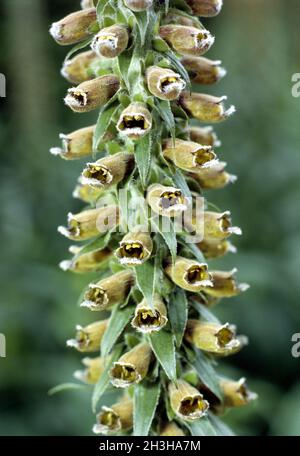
[
  {"x": 146, "y": 226},
  {"x": 186, "y": 401},
  {"x": 112, "y": 290},
  {"x": 132, "y": 367}
]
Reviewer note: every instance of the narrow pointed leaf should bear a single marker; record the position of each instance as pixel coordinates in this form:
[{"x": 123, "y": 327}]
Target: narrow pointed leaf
[
  {"x": 221, "y": 428},
  {"x": 103, "y": 122},
  {"x": 145, "y": 277},
  {"x": 202, "y": 427},
  {"x": 177, "y": 313},
  {"x": 168, "y": 235},
  {"x": 143, "y": 158},
  {"x": 64, "y": 387},
  {"x": 117, "y": 322},
  {"x": 145, "y": 403},
  {"x": 207, "y": 373},
  {"x": 162, "y": 343}
]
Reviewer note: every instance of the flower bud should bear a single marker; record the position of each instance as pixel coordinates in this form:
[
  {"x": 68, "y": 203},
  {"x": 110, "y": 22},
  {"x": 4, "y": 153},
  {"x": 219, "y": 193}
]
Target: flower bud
[
  {"x": 115, "y": 419},
  {"x": 88, "y": 339},
  {"x": 216, "y": 249},
  {"x": 171, "y": 429},
  {"x": 77, "y": 69},
  {"x": 135, "y": 121},
  {"x": 132, "y": 367},
  {"x": 205, "y": 108},
  {"x": 75, "y": 145},
  {"x": 167, "y": 201},
  {"x": 108, "y": 171},
  {"x": 135, "y": 248},
  {"x": 219, "y": 226},
  {"x": 186, "y": 401},
  {"x": 148, "y": 319},
  {"x": 204, "y": 136},
  {"x": 74, "y": 28},
  {"x": 87, "y": 262},
  {"x": 205, "y": 8},
  {"x": 164, "y": 83},
  {"x": 189, "y": 155},
  {"x": 213, "y": 338},
  {"x": 86, "y": 193},
  {"x": 187, "y": 40},
  {"x": 92, "y": 94},
  {"x": 225, "y": 284},
  {"x": 189, "y": 274},
  {"x": 110, "y": 41},
  {"x": 202, "y": 70},
  {"x": 174, "y": 17},
  {"x": 94, "y": 368},
  {"x": 108, "y": 292},
  {"x": 215, "y": 177},
  {"x": 138, "y": 5},
  {"x": 90, "y": 223},
  {"x": 236, "y": 394}
]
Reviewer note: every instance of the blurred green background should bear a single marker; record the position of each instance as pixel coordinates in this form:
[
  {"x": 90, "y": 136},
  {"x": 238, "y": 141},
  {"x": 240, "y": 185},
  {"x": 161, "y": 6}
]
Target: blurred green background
[{"x": 258, "y": 42}]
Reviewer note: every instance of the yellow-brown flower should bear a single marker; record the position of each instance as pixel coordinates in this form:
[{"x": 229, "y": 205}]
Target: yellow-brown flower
[
  {"x": 225, "y": 284},
  {"x": 94, "y": 368},
  {"x": 189, "y": 155},
  {"x": 110, "y": 41},
  {"x": 202, "y": 70},
  {"x": 115, "y": 419},
  {"x": 187, "y": 402},
  {"x": 164, "y": 83},
  {"x": 74, "y": 28},
  {"x": 135, "y": 248},
  {"x": 189, "y": 274},
  {"x": 148, "y": 319},
  {"x": 187, "y": 40},
  {"x": 206, "y": 8},
  {"x": 88, "y": 338},
  {"x": 87, "y": 262},
  {"x": 75, "y": 145},
  {"x": 167, "y": 201},
  {"x": 108, "y": 171},
  {"x": 205, "y": 108},
  {"x": 78, "y": 69},
  {"x": 135, "y": 121},
  {"x": 132, "y": 367}
]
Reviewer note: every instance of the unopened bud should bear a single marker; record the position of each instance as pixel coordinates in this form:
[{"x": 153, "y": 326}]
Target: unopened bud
[
  {"x": 189, "y": 274},
  {"x": 138, "y": 5},
  {"x": 87, "y": 262},
  {"x": 216, "y": 249},
  {"x": 164, "y": 83},
  {"x": 92, "y": 94},
  {"x": 205, "y": 108},
  {"x": 167, "y": 201},
  {"x": 225, "y": 284},
  {"x": 108, "y": 171},
  {"x": 135, "y": 248},
  {"x": 236, "y": 394},
  {"x": 202, "y": 70},
  {"x": 78, "y": 69},
  {"x": 204, "y": 136},
  {"x": 74, "y": 28},
  {"x": 135, "y": 121},
  {"x": 75, "y": 145},
  {"x": 187, "y": 40},
  {"x": 205, "y": 8},
  {"x": 189, "y": 155},
  {"x": 88, "y": 339},
  {"x": 115, "y": 419},
  {"x": 186, "y": 401},
  {"x": 219, "y": 226},
  {"x": 94, "y": 368},
  {"x": 171, "y": 429},
  {"x": 132, "y": 367},
  {"x": 110, "y": 41},
  {"x": 148, "y": 319},
  {"x": 108, "y": 292}
]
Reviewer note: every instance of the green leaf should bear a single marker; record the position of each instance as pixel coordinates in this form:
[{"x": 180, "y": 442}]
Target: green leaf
[
  {"x": 162, "y": 343},
  {"x": 142, "y": 155},
  {"x": 204, "y": 312},
  {"x": 145, "y": 277},
  {"x": 146, "y": 398},
  {"x": 219, "y": 425},
  {"x": 181, "y": 183},
  {"x": 104, "y": 379},
  {"x": 117, "y": 322},
  {"x": 165, "y": 111},
  {"x": 142, "y": 19},
  {"x": 104, "y": 119},
  {"x": 124, "y": 61},
  {"x": 177, "y": 313},
  {"x": 77, "y": 47},
  {"x": 169, "y": 236},
  {"x": 202, "y": 427},
  {"x": 64, "y": 387},
  {"x": 178, "y": 66},
  {"x": 96, "y": 244},
  {"x": 99, "y": 9},
  {"x": 207, "y": 373}
]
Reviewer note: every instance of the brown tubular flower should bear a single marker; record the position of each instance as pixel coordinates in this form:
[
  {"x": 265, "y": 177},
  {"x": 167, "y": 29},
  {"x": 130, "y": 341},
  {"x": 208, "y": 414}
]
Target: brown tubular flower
[
  {"x": 87, "y": 262},
  {"x": 132, "y": 367},
  {"x": 148, "y": 319},
  {"x": 135, "y": 121},
  {"x": 88, "y": 339},
  {"x": 171, "y": 429},
  {"x": 108, "y": 171},
  {"x": 219, "y": 226},
  {"x": 225, "y": 284},
  {"x": 187, "y": 40},
  {"x": 92, "y": 94},
  {"x": 115, "y": 419},
  {"x": 167, "y": 201},
  {"x": 135, "y": 248},
  {"x": 187, "y": 402},
  {"x": 216, "y": 249},
  {"x": 74, "y": 28},
  {"x": 205, "y": 8},
  {"x": 202, "y": 70},
  {"x": 189, "y": 274},
  {"x": 214, "y": 338},
  {"x": 86, "y": 193},
  {"x": 108, "y": 292},
  {"x": 236, "y": 393},
  {"x": 188, "y": 155},
  {"x": 78, "y": 69},
  {"x": 138, "y": 5},
  {"x": 94, "y": 368},
  {"x": 205, "y": 108},
  {"x": 90, "y": 223},
  {"x": 164, "y": 83},
  {"x": 215, "y": 177},
  {"x": 204, "y": 136},
  {"x": 174, "y": 17},
  {"x": 110, "y": 41},
  {"x": 75, "y": 145}
]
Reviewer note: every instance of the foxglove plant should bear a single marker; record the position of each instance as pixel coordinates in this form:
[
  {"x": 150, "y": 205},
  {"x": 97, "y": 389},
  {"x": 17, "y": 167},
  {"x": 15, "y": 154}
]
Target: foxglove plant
[{"x": 149, "y": 230}]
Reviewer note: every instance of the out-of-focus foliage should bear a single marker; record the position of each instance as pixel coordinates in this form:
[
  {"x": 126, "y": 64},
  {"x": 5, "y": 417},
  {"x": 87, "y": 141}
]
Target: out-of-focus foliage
[{"x": 257, "y": 41}]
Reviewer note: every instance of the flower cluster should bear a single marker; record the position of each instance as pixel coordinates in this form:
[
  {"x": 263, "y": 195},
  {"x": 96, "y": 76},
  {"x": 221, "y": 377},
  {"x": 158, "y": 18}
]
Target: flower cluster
[{"x": 155, "y": 340}]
